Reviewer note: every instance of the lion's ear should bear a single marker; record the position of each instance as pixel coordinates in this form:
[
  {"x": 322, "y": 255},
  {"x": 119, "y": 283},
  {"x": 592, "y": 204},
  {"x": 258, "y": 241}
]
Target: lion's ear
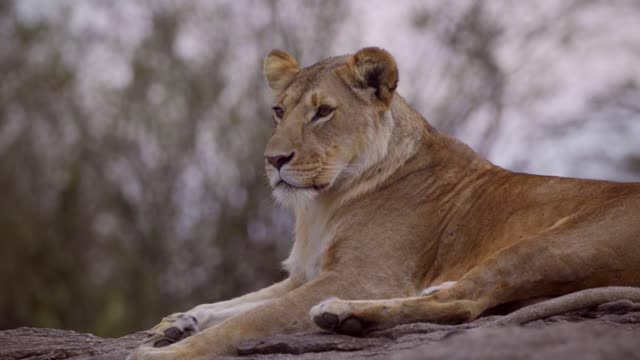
[
  {"x": 375, "y": 68},
  {"x": 279, "y": 69}
]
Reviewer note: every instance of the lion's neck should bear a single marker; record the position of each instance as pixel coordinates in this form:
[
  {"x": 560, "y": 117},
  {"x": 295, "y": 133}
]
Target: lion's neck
[
  {"x": 402, "y": 135},
  {"x": 410, "y": 144}
]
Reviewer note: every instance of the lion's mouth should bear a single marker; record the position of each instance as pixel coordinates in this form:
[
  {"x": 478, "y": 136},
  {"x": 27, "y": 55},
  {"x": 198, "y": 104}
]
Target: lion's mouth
[{"x": 316, "y": 187}]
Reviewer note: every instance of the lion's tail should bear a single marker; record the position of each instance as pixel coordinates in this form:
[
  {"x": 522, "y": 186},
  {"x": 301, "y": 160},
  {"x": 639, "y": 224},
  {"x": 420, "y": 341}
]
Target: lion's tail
[{"x": 570, "y": 302}]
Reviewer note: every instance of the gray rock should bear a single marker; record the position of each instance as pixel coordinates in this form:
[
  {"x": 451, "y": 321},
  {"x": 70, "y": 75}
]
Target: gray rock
[{"x": 610, "y": 331}]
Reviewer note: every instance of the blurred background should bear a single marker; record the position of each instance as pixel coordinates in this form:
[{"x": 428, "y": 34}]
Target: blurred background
[{"x": 132, "y": 132}]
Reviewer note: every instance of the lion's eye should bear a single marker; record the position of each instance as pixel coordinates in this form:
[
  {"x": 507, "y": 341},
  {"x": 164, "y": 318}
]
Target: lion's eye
[
  {"x": 323, "y": 110},
  {"x": 278, "y": 111}
]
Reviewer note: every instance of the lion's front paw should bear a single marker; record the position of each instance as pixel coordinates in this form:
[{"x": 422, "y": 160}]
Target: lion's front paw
[
  {"x": 171, "y": 329},
  {"x": 337, "y": 315}
]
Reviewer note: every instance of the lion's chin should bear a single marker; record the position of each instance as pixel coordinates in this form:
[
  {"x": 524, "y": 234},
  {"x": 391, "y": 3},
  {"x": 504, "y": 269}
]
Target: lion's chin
[{"x": 292, "y": 196}]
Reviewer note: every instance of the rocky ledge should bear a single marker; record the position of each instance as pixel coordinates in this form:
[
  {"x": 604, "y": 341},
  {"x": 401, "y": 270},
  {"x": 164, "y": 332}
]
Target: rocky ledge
[{"x": 609, "y": 331}]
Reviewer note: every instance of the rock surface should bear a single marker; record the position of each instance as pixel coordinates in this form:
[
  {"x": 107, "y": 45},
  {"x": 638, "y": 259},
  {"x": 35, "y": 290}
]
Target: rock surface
[{"x": 609, "y": 331}]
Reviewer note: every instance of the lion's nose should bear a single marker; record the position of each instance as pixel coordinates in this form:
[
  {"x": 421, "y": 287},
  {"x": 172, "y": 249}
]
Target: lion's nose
[{"x": 279, "y": 160}]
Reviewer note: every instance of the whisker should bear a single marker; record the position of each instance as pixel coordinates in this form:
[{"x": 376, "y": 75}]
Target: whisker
[{"x": 347, "y": 168}]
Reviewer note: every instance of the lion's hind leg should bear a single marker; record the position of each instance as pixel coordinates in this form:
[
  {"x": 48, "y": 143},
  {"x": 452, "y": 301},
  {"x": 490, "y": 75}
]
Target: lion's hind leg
[
  {"x": 547, "y": 266},
  {"x": 359, "y": 316}
]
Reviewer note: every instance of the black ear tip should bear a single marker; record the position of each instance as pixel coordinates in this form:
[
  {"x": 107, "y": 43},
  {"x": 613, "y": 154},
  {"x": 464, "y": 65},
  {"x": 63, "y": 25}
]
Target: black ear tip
[
  {"x": 376, "y": 68},
  {"x": 378, "y": 59}
]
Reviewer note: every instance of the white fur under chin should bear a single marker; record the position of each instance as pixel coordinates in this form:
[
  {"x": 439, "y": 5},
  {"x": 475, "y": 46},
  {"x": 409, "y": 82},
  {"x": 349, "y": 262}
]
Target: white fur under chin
[{"x": 291, "y": 197}]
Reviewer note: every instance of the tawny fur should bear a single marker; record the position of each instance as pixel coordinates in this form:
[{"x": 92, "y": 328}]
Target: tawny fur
[
  {"x": 583, "y": 299},
  {"x": 386, "y": 207}
]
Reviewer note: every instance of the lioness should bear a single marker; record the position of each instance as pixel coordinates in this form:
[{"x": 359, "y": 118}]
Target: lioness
[{"x": 391, "y": 211}]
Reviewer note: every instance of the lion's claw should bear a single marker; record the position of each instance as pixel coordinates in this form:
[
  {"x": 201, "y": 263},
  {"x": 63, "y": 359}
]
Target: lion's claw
[
  {"x": 163, "y": 343},
  {"x": 172, "y": 329}
]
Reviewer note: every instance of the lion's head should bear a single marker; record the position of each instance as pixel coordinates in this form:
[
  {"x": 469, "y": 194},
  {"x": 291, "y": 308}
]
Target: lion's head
[{"x": 331, "y": 121}]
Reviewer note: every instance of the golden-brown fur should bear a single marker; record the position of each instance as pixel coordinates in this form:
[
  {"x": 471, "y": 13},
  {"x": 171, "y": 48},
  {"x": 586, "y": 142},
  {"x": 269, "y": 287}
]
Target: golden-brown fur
[{"x": 387, "y": 207}]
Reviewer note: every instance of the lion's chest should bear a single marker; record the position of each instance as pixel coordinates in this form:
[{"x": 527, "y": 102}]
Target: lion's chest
[{"x": 314, "y": 234}]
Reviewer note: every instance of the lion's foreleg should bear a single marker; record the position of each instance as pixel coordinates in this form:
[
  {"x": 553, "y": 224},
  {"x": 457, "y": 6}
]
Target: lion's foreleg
[
  {"x": 286, "y": 314},
  {"x": 178, "y": 326}
]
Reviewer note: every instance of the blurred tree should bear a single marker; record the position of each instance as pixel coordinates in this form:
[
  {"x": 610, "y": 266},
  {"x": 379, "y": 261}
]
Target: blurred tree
[
  {"x": 131, "y": 173},
  {"x": 472, "y": 74}
]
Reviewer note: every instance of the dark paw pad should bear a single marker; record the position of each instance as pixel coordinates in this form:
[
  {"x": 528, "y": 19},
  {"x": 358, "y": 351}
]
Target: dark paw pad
[
  {"x": 327, "y": 321},
  {"x": 163, "y": 343},
  {"x": 351, "y": 326},
  {"x": 173, "y": 333}
]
